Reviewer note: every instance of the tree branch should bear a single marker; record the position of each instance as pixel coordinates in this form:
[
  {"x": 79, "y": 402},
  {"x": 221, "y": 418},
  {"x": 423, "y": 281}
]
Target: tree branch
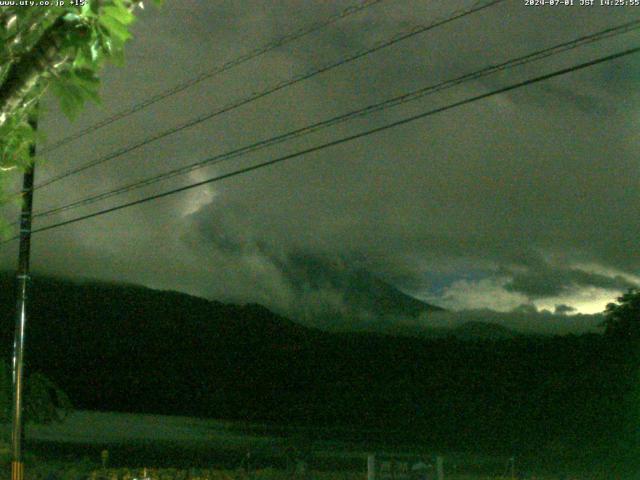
[
  {"x": 23, "y": 76},
  {"x": 46, "y": 55}
]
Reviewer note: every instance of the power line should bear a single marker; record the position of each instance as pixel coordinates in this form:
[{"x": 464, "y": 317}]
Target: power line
[
  {"x": 255, "y": 96},
  {"x": 398, "y": 100},
  {"x": 342, "y": 140},
  {"x": 284, "y": 84},
  {"x": 279, "y": 42}
]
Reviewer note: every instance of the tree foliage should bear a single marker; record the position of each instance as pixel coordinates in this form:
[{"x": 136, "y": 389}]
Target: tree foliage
[
  {"x": 622, "y": 319},
  {"x": 45, "y": 402},
  {"x": 622, "y": 325},
  {"x": 62, "y": 47}
]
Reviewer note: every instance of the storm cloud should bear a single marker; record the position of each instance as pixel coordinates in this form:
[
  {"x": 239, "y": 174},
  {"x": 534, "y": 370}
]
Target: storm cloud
[
  {"x": 537, "y": 278},
  {"x": 528, "y": 197}
]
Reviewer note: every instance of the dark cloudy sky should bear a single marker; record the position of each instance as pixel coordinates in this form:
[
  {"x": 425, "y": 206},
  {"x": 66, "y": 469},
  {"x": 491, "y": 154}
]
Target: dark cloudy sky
[{"x": 525, "y": 198}]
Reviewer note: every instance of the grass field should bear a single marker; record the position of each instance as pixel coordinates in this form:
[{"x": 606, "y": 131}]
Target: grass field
[{"x": 183, "y": 448}]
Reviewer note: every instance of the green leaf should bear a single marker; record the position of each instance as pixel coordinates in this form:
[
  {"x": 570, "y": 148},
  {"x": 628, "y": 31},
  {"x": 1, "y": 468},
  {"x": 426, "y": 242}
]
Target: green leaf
[
  {"x": 120, "y": 13},
  {"x": 79, "y": 36},
  {"x": 112, "y": 47},
  {"x": 72, "y": 17},
  {"x": 96, "y": 54},
  {"x": 16, "y": 136},
  {"x": 83, "y": 58},
  {"x": 89, "y": 9},
  {"x": 70, "y": 96},
  {"x": 89, "y": 82},
  {"x": 24, "y": 131},
  {"x": 116, "y": 28}
]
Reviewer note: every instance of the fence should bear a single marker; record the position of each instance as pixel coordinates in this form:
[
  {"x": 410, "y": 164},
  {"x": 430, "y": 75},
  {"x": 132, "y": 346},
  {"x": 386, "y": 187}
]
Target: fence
[{"x": 403, "y": 467}]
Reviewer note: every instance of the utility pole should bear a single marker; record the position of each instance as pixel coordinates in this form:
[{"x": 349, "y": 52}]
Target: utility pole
[{"x": 23, "y": 280}]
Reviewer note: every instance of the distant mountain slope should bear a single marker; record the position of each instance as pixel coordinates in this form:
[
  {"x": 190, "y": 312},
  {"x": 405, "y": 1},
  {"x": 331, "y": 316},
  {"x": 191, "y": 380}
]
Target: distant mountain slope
[
  {"x": 483, "y": 331},
  {"x": 333, "y": 295},
  {"x": 468, "y": 331},
  {"x": 128, "y": 348},
  {"x": 369, "y": 291}
]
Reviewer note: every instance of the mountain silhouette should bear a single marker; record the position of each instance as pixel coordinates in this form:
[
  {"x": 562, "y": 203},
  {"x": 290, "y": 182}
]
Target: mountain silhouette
[{"x": 133, "y": 349}]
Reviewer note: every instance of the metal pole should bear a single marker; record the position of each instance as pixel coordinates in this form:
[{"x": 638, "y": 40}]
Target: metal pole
[{"x": 17, "y": 466}]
